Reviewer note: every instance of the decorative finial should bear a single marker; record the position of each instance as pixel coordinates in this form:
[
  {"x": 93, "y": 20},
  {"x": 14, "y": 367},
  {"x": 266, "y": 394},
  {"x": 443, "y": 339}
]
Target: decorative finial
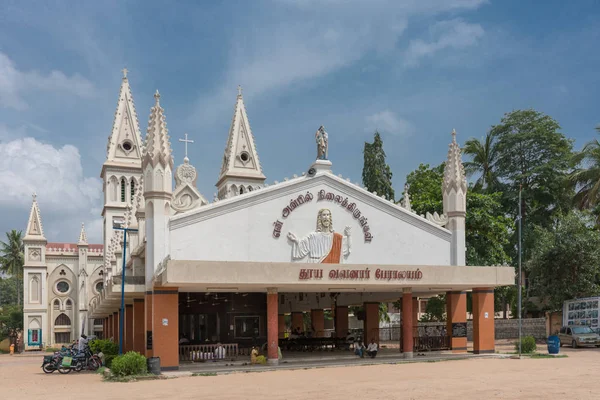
[
  {"x": 34, "y": 195},
  {"x": 454, "y": 135},
  {"x": 124, "y": 71},
  {"x": 156, "y": 96},
  {"x": 186, "y": 141},
  {"x": 239, "y": 91}
]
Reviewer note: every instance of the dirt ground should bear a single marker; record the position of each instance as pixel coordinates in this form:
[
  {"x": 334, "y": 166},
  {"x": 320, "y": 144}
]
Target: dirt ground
[{"x": 574, "y": 377}]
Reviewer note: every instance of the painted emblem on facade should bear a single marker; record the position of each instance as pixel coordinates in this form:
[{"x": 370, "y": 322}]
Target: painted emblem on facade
[{"x": 324, "y": 245}]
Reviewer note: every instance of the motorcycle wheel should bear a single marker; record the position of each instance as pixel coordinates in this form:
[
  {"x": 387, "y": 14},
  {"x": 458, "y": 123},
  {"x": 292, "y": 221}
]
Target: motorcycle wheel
[
  {"x": 48, "y": 368},
  {"x": 78, "y": 367},
  {"x": 94, "y": 364},
  {"x": 64, "y": 370}
]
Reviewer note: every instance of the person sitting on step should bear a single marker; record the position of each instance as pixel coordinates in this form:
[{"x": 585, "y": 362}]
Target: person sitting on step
[{"x": 372, "y": 349}]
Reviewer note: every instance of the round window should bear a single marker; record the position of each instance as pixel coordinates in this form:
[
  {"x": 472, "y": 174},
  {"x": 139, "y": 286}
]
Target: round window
[
  {"x": 62, "y": 287},
  {"x": 99, "y": 286},
  {"x": 244, "y": 156},
  {"x": 127, "y": 146}
]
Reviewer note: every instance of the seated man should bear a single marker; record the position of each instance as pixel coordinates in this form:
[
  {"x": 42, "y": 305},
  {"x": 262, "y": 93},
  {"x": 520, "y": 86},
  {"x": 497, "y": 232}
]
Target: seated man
[{"x": 372, "y": 349}]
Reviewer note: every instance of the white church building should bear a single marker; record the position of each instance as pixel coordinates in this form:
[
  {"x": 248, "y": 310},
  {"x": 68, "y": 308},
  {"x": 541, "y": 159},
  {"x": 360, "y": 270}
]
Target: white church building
[{"x": 234, "y": 270}]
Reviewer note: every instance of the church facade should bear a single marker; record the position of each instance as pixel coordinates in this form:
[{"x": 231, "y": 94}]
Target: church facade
[{"x": 236, "y": 269}]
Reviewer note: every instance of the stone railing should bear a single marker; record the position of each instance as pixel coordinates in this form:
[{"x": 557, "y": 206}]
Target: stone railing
[{"x": 203, "y": 352}]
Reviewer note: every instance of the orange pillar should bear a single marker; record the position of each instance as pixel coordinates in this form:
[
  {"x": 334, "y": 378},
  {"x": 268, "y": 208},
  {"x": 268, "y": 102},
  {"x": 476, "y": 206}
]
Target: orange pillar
[
  {"x": 407, "y": 324},
  {"x": 317, "y": 318},
  {"x": 128, "y": 337},
  {"x": 456, "y": 317},
  {"x": 371, "y": 323},
  {"x": 139, "y": 329},
  {"x": 165, "y": 327},
  {"x": 483, "y": 321},
  {"x": 148, "y": 323},
  {"x": 298, "y": 320},
  {"x": 272, "y": 327},
  {"x": 341, "y": 321},
  {"x": 109, "y": 327},
  {"x": 281, "y": 326}
]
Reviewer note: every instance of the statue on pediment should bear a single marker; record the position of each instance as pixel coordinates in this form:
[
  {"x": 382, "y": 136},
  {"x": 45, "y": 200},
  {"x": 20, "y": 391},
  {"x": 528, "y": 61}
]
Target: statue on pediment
[
  {"x": 322, "y": 140},
  {"x": 324, "y": 245}
]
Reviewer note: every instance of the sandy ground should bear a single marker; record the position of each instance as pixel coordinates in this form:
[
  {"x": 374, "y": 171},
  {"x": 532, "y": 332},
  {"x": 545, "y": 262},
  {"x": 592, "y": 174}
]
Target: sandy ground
[{"x": 574, "y": 377}]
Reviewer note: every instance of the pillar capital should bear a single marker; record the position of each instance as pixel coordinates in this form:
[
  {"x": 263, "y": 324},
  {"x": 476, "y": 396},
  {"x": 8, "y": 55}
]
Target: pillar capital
[
  {"x": 407, "y": 290},
  {"x": 271, "y": 290}
]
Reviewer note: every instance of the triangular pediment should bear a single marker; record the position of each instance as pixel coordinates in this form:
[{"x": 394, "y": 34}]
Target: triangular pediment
[
  {"x": 186, "y": 197},
  {"x": 35, "y": 230},
  {"x": 258, "y": 224}
]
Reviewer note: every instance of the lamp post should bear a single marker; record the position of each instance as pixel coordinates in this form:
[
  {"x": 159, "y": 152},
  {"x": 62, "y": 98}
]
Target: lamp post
[
  {"x": 519, "y": 280},
  {"x": 118, "y": 227}
]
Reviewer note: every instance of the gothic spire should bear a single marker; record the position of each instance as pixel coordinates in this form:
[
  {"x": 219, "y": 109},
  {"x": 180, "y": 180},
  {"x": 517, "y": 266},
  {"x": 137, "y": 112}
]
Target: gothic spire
[
  {"x": 35, "y": 230},
  {"x": 240, "y": 159},
  {"x": 82, "y": 236},
  {"x": 158, "y": 148},
  {"x": 125, "y": 141},
  {"x": 454, "y": 171}
]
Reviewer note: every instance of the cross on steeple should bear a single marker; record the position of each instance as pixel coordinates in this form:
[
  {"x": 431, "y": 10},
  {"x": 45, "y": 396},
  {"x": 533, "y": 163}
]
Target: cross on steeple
[
  {"x": 124, "y": 71},
  {"x": 186, "y": 141},
  {"x": 239, "y": 91},
  {"x": 34, "y": 195}
]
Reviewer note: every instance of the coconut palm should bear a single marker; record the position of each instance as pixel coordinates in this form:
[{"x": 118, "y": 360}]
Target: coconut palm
[
  {"x": 586, "y": 176},
  {"x": 484, "y": 154},
  {"x": 11, "y": 257}
]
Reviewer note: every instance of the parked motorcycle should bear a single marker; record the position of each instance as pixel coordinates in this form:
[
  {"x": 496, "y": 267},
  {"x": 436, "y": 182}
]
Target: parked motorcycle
[
  {"x": 51, "y": 363},
  {"x": 79, "y": 361}
]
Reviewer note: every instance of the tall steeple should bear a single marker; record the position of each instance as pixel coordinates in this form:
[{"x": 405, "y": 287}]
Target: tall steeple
[
  {"x": 454, "y": 192},
  {"x": 35, "y": 230},
  {"x": 125, "y": 141},
  {"x": 241, "y": 171},
  {"x": 158, "y": 148}
]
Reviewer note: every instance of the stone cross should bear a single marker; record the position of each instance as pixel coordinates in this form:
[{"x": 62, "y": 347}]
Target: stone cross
[
  {"x": 34, "y": 195},
  {"x": 124, "y": 71},
  {"x": 239, "y": 91},
  {"x": 186, "y": 141}
]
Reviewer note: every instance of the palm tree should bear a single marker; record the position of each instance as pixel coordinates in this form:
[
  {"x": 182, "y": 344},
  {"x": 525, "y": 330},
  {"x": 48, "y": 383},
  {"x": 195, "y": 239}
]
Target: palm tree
[
  {"x": 11, "y": 258},
  {"x": 484, "y": 154},
  {"x": 586, "y": 176}
]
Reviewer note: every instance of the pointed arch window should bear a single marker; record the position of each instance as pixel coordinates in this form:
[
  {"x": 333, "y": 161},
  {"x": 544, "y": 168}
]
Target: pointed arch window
[
  {"x": 123, "y": 187},
  {"x": 132, "y": 189},
  {"x": 62, "y": 320},
  {"x": 69, "y": 304},
  {"x": 56, "y": 305}
]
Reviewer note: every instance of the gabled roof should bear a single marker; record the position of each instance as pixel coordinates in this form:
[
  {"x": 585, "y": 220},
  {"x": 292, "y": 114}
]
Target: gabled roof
[
  {"x": 240, "y": 159},
  {"x": 298, "y": 184},
  {"x": 125, "y": 141}
]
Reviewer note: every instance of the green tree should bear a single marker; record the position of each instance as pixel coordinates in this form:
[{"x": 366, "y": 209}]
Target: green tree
[
  {"x": 377, "y": 175},
  {"x": 532, "y": 152},
  {"x": 11, "y": 258},
  {"x": 565, "y": 259},
  {"x": 425, "y": 188},
  {"x": 484, "y": 155},
  {"x": 8, "y": 291},
  {"x": 435, "y": 310},
  {"x": 586, "y": 177},
  {"x": 11, "y": 321}
]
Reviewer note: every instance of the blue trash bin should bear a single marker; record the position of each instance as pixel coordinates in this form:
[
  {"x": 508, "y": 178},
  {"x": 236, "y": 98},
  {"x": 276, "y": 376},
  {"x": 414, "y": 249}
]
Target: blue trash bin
[{"x": 553, "y": 344}]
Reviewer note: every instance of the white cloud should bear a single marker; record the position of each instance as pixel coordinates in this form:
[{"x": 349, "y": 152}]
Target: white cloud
[
  {"x": 388, "y": 122},
  {"x": 16, "y": 84},
  {"x": 66, "y": 196},
  {"x": 452, "y": 34}
]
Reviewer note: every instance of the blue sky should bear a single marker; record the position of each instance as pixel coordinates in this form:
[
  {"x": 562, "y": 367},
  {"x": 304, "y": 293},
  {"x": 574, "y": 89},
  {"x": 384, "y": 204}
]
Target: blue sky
[{"x": 412, "y": 69}]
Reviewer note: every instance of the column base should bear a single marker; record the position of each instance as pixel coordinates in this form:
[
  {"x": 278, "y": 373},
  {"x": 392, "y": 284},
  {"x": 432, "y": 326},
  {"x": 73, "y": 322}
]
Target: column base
[
  {"x": 273, "y": 361},
  {"x": 166, "y": 369},
  {"x": 408, "y": 354},
  {"x": 484, "y": 351}
]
